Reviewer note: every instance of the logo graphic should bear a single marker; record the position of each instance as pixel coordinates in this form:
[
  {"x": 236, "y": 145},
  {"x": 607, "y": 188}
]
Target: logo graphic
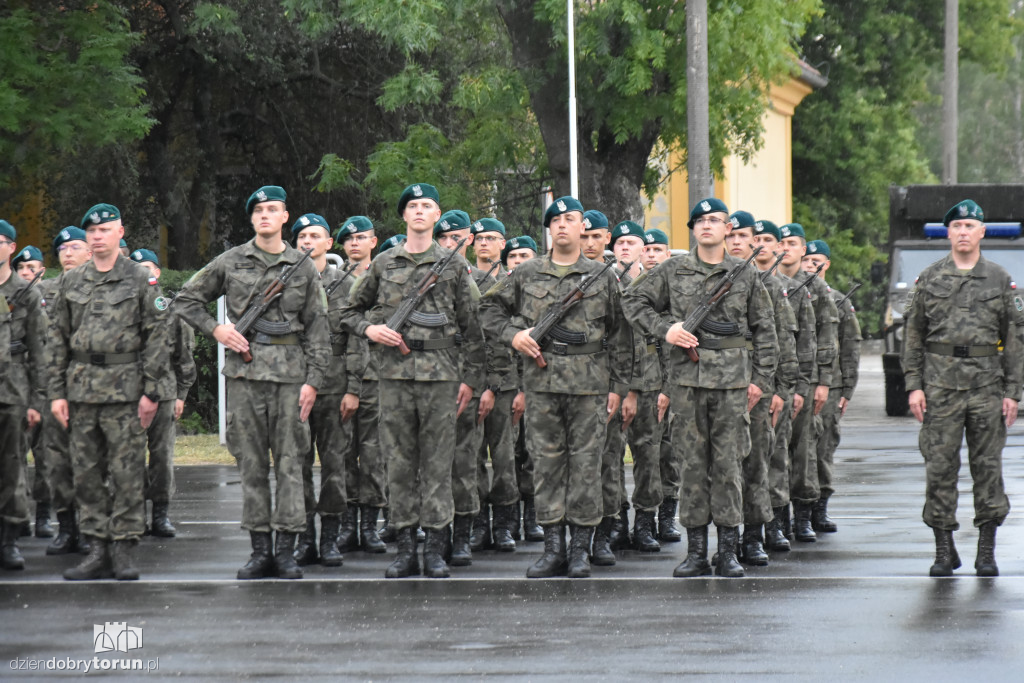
[
  {"x": 261, "y": 195},
  {"x": 445, "y": 225},
  {"x": 65, "y": 234},
  {"x": 586, "y": 222},
  {"x": 561, "y": 206},
  {"x": 735, "y": 222},
  {"x": 705, "y": 205},
  {"x": 515, "y": 244},
  {"x": 963, "y": 209},
  {"x": 137, "y": 255},
  {"x": 160, "y": 303},
  {"x": 812, "y": 248},
  {"x": 116, "y": 636},
  {"x": 785, "y": 231},
  {"x": 417, "y": 190},
  {"x": 478, "y": 226},
  {"x": 650, "y": 238},
  {"x": 94, "y": 217},
  {"x": 759, "y": 226},
  {"x": 304, "y": 220}
]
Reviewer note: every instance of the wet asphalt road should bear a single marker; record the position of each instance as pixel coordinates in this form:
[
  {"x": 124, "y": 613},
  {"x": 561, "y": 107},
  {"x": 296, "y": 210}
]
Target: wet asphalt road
[{"x": 855, "y": 605}]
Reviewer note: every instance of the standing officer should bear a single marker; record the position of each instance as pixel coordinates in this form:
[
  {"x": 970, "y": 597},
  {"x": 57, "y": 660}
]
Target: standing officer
[
  {"x": 962, "y": 308},
  {"x": 272, "y": 396},
  {"x": 108, "y": 344},
  {"x": 712, "y": 398}
]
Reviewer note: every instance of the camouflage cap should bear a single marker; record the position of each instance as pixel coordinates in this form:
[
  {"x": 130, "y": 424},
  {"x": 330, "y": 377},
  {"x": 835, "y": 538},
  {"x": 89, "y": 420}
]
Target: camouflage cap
[
  {"x": 450, "y": 221},
  {"x": 595, "y": 220},
  {"x": 521, "y": 242},
  {"x": 628, "y": 229},
  {"x": 560, "y": 206},
  {"x": 704, "y": 207},
  {"x": 767, "y": 228},
  {"x": 307, "y": 220},
  {"x": 267, "y": 193},
  {"x": 68, "y": 234},
  {"x": 101, "y": 213},
  {"x": 7, "y": 230},
  {"x": 792, "y": 230},
  {"x": 488, "y": 225},
  {"x": 968, "y": 208},
  {"x": 417, "y": 191},
  {"x": 353, "y": 225},
  {"x": 742, "y": 219},
  {"x": 819, "y": 247},
  {"x": 27, "y": 254},
  {"x": 142, "y": 255},
  {"x": 655, "y": 236},
  {"x": 393, "y": 241}
]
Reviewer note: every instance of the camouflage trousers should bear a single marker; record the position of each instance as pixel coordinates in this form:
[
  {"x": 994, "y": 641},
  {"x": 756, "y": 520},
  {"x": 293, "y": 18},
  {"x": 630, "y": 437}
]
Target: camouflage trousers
[
  {"x": 803, "y": 454},
  {"x": 952, "y": 414},
  {"x": 160, "y": 471},
  {"x": 565, "y": 440},
  {"x": 613, "y": 489},
  {"x": 712, "y": 429},
  {"x": 329, "y": 439},
  {"x": 108, "y": 449},
  {"x": 671, "y": 461},
  {"x": 263, "y": 420},
  {"x": 829, "y": 441},
  {"x": 13, "y": 493},
  {"x": 500, "y": 487},
  {"x": 417, "y": 431},
  {"x": 778, "y": 465},
  {"x": 644, "y": 436},
  {"x": 366, "y": 472},
  {"x": 468, "y": 437},
  {"x": 757, "y": 505},
  {"x": 41, "y": 490},
  {"x": 524, "y": 462}
]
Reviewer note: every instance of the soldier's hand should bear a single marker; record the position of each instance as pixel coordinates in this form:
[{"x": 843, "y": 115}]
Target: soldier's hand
[
  {"x": 775, "y": 410},
  {"x": 349, "y": 406},
  {"x": 798, "y": 404},
  {"x": 33, "y": 417},
  {"x": 382, "y": 334},
  {"x": 754, "y": 395},
  {"x": 486, "y": 405},
  {"x": 843, "y": 404},
  {"x": 663, "y": 404},
  {"x": 918, "y": 406},
  {"x": 1009, "y": 411},
  {"x": 518, "y": 407},
  {"x": 231, "y": 338},
  {"x": 307, "y": 397},
  {"x": 179, "y": 408},
  {"x": 147, "y": 411},
  {"x": 59, "y": 408},
  {"x": 464, "y": 397},
  {"x": 628, "y": 410},
  {"x": 525, "y": 344},
  {"x": 820, "y": 397},
  {"x": 678, "y": 336},
  {"x": 614, "y": 400}
]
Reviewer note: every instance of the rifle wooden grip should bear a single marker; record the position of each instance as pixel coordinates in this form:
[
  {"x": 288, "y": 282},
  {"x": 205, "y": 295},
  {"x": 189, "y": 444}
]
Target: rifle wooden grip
[
  {"x": 246, "y": 356},
  {"x": 692, "y": 353},
  {"x": 539, "y": 360},
  {"x": 403, "y": 348}
]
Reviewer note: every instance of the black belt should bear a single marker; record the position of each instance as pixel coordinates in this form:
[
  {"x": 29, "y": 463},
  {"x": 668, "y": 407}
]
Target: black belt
[
  {"x": 963, "y": 350},
  {"x": 653, "y": 345},
  {"x": 724, "y": 343},
  {"x": 430, "y": 344},
  {"x": 105, "y": 358},
  {"x": 560, "y": 349}
]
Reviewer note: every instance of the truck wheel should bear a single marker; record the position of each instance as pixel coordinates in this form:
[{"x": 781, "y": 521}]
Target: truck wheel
[{"x": 896, "y": 404}]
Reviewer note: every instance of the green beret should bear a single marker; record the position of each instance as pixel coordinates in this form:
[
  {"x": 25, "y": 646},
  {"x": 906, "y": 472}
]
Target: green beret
[
  {"x": 267, "y": 193},
  {"x": 769, "y": 228},
  {"x": 122, "y": 243},
  {"x": 488, "y": 225},
  {"x": 101, "y": 213},
  {"x": 706, "y": 206},
  {"x": 627, "y": 229},
  {"x": 141, "y": 255},
  {"x": 306, "y": 220},
  {"x": 353, "y": 225},
  {"x": 391, "y": 242},
  {"x": 595, "y": 220},
  {"x": 417, "y": 191},
  {"x": 29, "y": 253},
  {"x": 450, "y": 221},
  {"x": 742, "y": 219},
  {"x": 792, "y": 230},
  {"x": 560, "y": 206},
  {"x": 968, "y": 208},
  {"x": 7, "y": 230},
  {"x": 68, "y": 234},
  {"x": 655, "y": 236},
  {"x": 521, "y": 242},
  {"x": 819, "y": 247}
]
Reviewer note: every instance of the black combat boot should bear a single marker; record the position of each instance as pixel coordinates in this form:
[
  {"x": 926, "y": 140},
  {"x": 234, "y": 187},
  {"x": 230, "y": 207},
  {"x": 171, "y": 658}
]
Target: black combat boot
[
  {"x": 330, "y": 527},
  {"x": 84, "y": 544},
  {"x": 579, "y": 551},
  {"x": 11, "y": 556},
  {"x": 602, "y": 554},
  {"x": 774, "y": 535},
  {"x": 96, "y": 564},
  {"x": 516, "y": 522},
  {"x": 820, "y": 521},
  {"x": 753, "y": 547},
  {"x": 121, "y": 555},
  {"x": 480, "y": 537},
  {"x": 348, "y": 539},
  {"x": 668, "y": 532},
  {"x": 434, "y": 566},
  {"x": 531, "y": 530},
  {"x": 305, "y": 547},
  {"x": 946, "y": 557},
  {"x": 802, "y": 523},
  {"x": 368, "y": 530},
  {"x": 43, "y": 527},
  {"x": 619, "y": 538},
  {"x": 787, "y": 521},
  {"x": 462, "y": 555},
  {"x": 406, "y": 563},
  {"x": 66, "y": 541},
  {"x": 387, "y": 533},
  {"x": 261, "y": 562},
  {"x": 553, "y": 562},
  {"x": 503, "y": 541},
  {"x": 696, "y": 562},
  {"x": 985, "y": 562},
  {"x": 643, "y": 532},
  {"x": 284, "y": 556},
  {"x": 162, "y": 526},
  {"x": 728, "y": 541}
]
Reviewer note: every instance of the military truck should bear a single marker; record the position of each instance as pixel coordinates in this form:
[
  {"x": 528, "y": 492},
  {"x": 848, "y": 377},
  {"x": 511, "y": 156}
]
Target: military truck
[{"x": 917, "y": 239}]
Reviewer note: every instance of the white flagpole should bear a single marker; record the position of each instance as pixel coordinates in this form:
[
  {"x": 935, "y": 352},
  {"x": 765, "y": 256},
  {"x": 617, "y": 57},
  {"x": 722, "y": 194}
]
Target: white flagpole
[{"x": 574, "y": 180}]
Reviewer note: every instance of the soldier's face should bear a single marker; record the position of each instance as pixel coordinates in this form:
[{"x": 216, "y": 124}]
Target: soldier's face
[
  {"x": 593, "y": 242},
  {"x": 740, "y": 242},
  {"x": 488, "y": 245},
  {"x": 770, "y": 251},
  {"x": 359, "y": 246},
  {"x": 628, "y": 249},
  {"x": 268, "y": 218},
  {"x": 73, "y": 254},
  {"x": 315, "y": 238},
  {"x": 566, "y": 229},
  {"x": 810, "y": 263},
  {"x": 421, "y": 214},
  {"x": 449, "y": 239},
  {"x": 7, "y": 249},
  {"x": 517, "y": 256},
  {"x": 710, "y": 229},
  {"x": 794, "y": 248},
  {"x": 655, "y": 254},
  {"x": 104, "y": 238},
  {"x": 28, "y": 269},
  {"x": 965, "y": 234}
]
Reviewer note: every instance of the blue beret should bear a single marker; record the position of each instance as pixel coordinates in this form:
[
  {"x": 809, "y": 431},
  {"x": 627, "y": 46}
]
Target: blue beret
[
  {"x": 101, "y": 213},
  {"x": 706, "y": 206},
  {"x": 29, "y": 253},
  {"x": 792, "y": 230},
  {"x": 488, "y": 225},
  {"x": 309, "y": 219},
  {"x": 655, "y": 236},
  {"x": 968, "y": 208},
  {"x": 353, "y": 225},
  {"x": 742, "y": 219},
  {"x": 450, "y": 221},
  {"x": 417, "y": 191},
  {"x": 68, "y": 234},
  {"x": 267, "y": 193},
  {"x": 595, "y": 220},
  {"x": 560, "y": 206},
  {"x": 8, "y": 231},
  {"x": 627, "y": 229},
  {"x": 521, "y": 242},
  {"x": 393, "y": 241},
  {"x": 819, "y": 247},
  {"x": 767, "y": 227},
  {"x": 140, "y": 255}
]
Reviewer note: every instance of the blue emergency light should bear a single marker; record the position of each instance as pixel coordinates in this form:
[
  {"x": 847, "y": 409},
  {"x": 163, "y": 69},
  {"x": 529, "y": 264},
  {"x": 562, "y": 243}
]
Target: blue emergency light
[{"x": 991, "y": 230}]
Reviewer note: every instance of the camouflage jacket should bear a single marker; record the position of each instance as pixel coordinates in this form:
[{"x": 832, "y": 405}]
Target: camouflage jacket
[
  {"x": 670, "y": 293},
  {"x": 647, "y": 352},
  {"x": 788, "y": 369},
  {"x": 377, "y": 294},
  {"x": 347, "y": 358},
  {"x": 847, "y": 363},
  {"x": 241, "y": 273},
  {"x": 826, "y": 329},
  {"x": 181, "y": 370},
  {"x": 22, "y": 345},
  {"x": 501, "y": 367},
  {"x": 979, "y": 308},
  {"x": 806, "y": 337},
  {"x": 120, "y": 311},
  {"x": 520, "y": 300}
]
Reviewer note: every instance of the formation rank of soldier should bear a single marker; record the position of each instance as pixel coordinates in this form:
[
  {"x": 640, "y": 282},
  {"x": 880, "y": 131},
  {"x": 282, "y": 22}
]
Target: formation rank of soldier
[{"x": 726, "y": 370}]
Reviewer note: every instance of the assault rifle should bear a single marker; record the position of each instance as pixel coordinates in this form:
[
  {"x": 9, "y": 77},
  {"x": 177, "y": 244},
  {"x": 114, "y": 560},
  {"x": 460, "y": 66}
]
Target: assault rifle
[
  {"x": 329, "y": 289},
  {"x": 258, "y": 305},
  {"x": 846, "y": 298},
  {"x": 490, "y": 271},
  {"x": 768, "y": 273},
  {"x": 407, "y": 312},
  {"x": 806, "y": 282},
  {"x": 710, "y": 301},
  {"x": 21, "y": 293}
]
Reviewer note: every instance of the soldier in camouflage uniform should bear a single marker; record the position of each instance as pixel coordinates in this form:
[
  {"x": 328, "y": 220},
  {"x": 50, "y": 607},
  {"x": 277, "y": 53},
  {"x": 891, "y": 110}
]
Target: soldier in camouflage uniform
[
  {"x": 962, "y": 308},
  {"x": 422, "y": 392},
  {"x": 178, "y": 378},
  {"x": 108, "y": 343},
  {"x": 569, "y": 401},
  {"x": 271, "y": 397},
  {"x": 844, "y": 381},
  {"x": 22, "y": 332},
  {"x": 803, "y": 446},
  {"x": 712, "y": 398}
]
